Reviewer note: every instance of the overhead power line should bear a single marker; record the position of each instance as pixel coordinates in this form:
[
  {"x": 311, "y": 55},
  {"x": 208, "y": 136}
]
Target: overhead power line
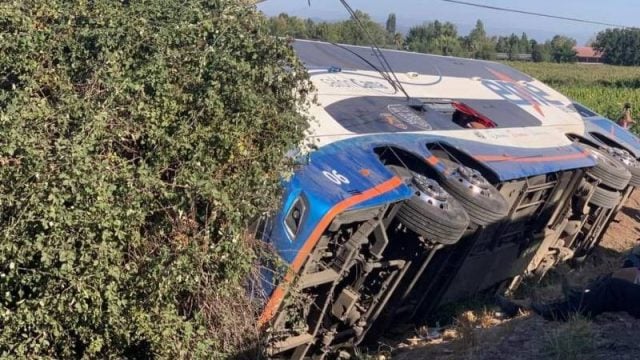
[
  {"x": 497, "y": 8},
  {"x": 387, "y": 73}
]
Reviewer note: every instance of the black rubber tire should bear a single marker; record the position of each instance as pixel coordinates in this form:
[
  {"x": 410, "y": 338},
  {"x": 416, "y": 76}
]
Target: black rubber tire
[
  {"x": 635, "y": 175},
  {"x": 611, "y": 172},
  {"x": 606, "y": 199},
  {"x": 481, "y": 209},
  {"x": 629, "y": 161},
  {"x": 444, "y": 226}
]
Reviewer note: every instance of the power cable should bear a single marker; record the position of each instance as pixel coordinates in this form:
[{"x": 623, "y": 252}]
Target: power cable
[
  {"x": 497, "y": 8},
  {"x": 393, "y": 79},
  {"x": 376, "y": 51},
  {"x": 372, "y": 65}
]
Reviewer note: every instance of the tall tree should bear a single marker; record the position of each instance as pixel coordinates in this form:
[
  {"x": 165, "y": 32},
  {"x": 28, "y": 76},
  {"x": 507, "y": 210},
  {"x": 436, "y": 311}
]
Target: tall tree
[
  {"x": 478, "y": 33},
  {"x": 478, "y": 44},
  {"x": 326, "y": 32},
  {"x": 391, "y": 24},
  {"x": 502, "y": 45},
  {"x": 525, "y": 45},
  {"x": 562, "y": 49},
  {"x": 352, "y": 33},
  {"x": 619, "y": 46},
  {"x": 285, "y": 25},
  {"x": 434, "y": 37},
  {"x": 541, "y": 52},
  {"x": 514, "y": 46}
]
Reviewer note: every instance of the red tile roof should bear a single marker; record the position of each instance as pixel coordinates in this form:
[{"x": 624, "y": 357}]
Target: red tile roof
[{"x": 587, "y": 51}]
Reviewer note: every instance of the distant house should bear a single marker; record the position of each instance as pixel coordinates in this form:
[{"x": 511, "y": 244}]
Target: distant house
[{"x": 587, "y": 54}]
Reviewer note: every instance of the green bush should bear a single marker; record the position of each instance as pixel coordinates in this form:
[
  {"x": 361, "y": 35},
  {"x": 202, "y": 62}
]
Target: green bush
[{"x": 136, "y": 139}]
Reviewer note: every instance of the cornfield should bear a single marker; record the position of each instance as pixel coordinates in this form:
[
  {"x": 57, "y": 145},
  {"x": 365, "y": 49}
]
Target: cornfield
[{"x": 603, "y": 88}]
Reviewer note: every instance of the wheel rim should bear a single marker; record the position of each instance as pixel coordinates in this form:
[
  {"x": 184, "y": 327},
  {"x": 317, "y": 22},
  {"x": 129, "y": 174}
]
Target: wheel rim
[
  {"x": 473, "y": 180},
  {"x": 623, "y": 156},
  {"x": 597, "y": 155},
  {"x": 431, "y": 192},
  {"x": 601, "y": 157}
]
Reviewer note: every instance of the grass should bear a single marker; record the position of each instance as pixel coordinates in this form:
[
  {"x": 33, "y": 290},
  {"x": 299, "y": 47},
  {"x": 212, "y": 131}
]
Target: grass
[
  {"x": 603, "y": 88},
  {"x": 579, "y": 74},
  {"x": 572, "y": 340}
]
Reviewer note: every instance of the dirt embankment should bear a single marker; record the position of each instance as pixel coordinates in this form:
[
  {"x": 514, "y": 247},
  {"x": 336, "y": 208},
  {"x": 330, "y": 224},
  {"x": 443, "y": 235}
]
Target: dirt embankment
[{"x": 480, "y": 334}]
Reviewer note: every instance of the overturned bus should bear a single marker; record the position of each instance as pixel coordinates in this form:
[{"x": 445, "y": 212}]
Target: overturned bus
[{"x": 447, "y": 178}]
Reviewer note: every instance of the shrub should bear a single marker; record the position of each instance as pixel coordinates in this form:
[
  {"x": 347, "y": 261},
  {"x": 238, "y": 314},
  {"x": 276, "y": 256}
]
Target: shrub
[{"x": 137, "y": 139}]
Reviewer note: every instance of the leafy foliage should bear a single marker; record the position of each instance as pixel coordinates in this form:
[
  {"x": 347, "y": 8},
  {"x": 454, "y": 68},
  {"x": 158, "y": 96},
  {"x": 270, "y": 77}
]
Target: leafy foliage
[
  {"x": 541, "y": 52},
  {"x": 391, "y": 24},
  {"x": 479, "y": 44},
  {"x": 562, "y": 49},
  {"x": 514, "y": 45},
  {"x": 434, "y": 38},
  {"x": 137, "y": 139},
  {"x": 347, "y": 32},
  {"x": 619, "y": 46}
]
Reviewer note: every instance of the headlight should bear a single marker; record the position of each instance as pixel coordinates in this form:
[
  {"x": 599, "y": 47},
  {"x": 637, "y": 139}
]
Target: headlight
[{"x": 294, "y": 217}]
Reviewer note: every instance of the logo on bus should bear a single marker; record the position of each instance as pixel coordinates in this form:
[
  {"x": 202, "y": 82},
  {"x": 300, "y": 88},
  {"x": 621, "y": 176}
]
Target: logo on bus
[{"x": 521, "y": 94}]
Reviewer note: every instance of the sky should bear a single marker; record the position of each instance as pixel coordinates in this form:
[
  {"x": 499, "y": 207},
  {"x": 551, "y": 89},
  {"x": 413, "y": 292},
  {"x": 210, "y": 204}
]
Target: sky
[{"x": 412, "y": 12}]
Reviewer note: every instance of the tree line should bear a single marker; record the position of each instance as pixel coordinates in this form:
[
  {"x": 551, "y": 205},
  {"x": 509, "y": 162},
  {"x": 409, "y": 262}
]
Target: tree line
[
  {"x": 435, "y": 37},
  {"x": 619, "y": 46}
]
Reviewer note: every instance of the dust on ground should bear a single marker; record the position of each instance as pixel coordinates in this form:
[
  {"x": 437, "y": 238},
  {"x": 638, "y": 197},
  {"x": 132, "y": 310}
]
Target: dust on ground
[{"x": 483, "y": 334}]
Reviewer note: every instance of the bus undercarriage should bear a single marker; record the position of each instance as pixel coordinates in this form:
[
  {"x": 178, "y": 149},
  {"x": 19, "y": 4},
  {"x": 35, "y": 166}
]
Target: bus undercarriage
[{"x": 399, "y": 262}]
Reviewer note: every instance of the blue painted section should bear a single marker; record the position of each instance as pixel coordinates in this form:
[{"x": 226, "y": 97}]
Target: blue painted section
[
  {"x": 349, "y": 157},
  {"x": 521, "y": 165},
  {"x": 522, "y": 162},
  {"x": 322, "y": 194},
  {"x": 614, "y": 132}
]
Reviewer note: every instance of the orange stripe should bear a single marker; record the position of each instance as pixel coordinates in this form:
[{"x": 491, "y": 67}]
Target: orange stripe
[
  {"x": 432, "y": 160},
  {"x": 279, "y": 293},
  {"x": 495, "y": 158}
]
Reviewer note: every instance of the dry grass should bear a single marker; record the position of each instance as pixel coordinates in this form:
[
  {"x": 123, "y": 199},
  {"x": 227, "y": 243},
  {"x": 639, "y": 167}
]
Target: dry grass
[
  {"x": 469, "y": 322},
  {"x": 231, "y": 312},
  {"x": 465, "y": 335},
  {"x": 232, "y": 318},
  {"x": 572, "y": 340}
]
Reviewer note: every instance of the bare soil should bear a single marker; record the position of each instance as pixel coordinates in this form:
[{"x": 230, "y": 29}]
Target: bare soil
[{"x": 484, "y": 334}]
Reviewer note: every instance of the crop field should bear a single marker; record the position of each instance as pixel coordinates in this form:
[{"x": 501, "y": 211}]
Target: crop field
[{"x": 603, "y": 88}]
